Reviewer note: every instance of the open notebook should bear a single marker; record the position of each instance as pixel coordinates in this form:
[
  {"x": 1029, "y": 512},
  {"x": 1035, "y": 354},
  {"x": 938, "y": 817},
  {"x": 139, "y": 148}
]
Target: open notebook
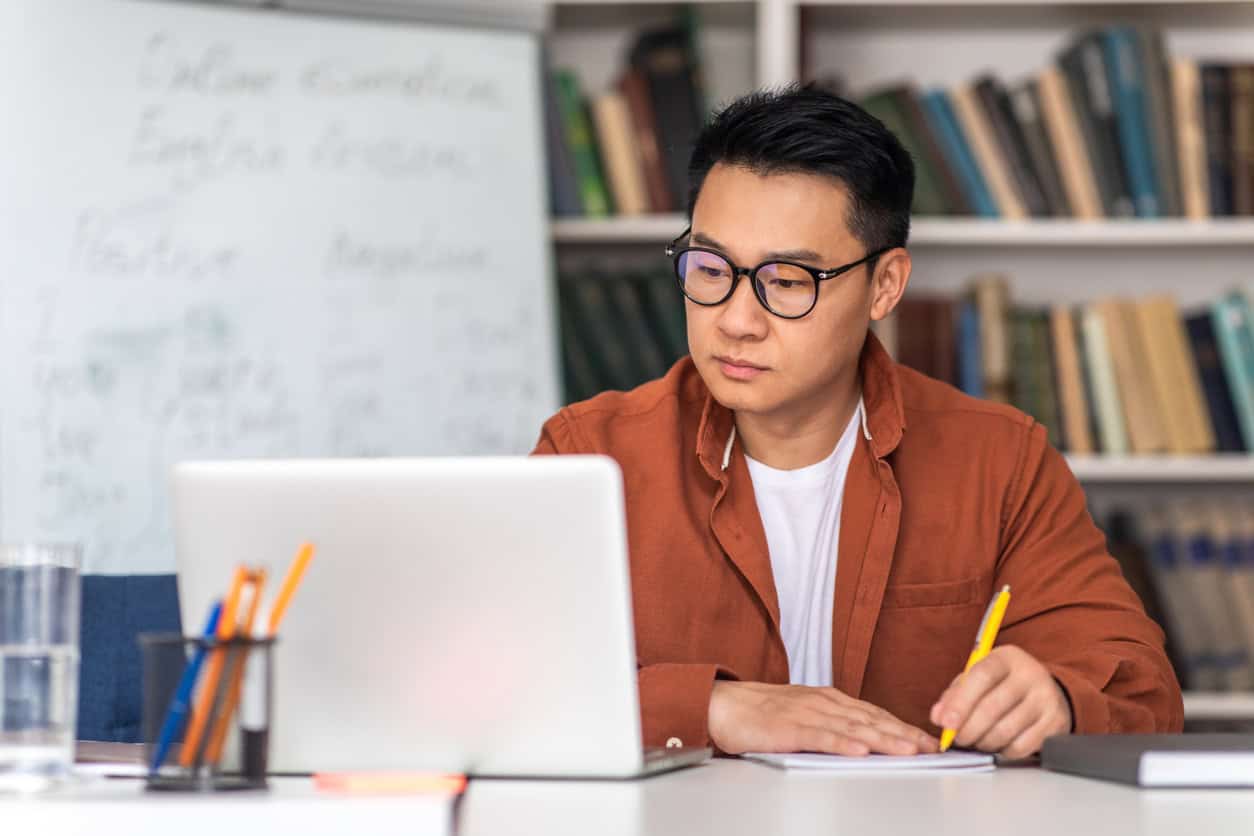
[{"x": 941, "y": 762}]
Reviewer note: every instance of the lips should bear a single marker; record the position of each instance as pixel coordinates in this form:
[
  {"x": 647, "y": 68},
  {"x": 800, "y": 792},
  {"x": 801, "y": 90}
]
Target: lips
[{"x": 735, "y": 369}]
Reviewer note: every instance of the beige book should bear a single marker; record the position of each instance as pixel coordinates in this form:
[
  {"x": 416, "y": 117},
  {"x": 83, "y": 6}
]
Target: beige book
[
  {"x": 1145, "y": 430},
  {"x": 1162, "y": 376},
  {"x": 1112, "y": 427},
  {"x": 1074, "y": 164},
  {"x": 1188, "y": 384},
  {"x": 992, "y": 302},
  {"x": 1186, "y": 97},
  {"x": 1071, "y": 398},
  {"x": 624, "y": 168},
  {"x": 988, "y": 154}
]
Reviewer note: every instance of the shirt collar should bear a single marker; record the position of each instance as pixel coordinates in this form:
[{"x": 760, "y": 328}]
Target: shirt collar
[{"x": 883, "y": 417}]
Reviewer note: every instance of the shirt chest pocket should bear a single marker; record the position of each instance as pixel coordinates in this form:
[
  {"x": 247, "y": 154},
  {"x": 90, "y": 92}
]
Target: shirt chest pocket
[{"x": 957, "y": 593}]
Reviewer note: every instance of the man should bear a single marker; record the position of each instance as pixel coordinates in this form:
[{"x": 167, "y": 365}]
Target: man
[{"x": 815, "y": 531}]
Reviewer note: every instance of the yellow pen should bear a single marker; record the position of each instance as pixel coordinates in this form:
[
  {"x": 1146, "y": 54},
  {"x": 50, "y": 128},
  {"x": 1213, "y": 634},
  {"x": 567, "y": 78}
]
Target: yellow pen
[{"x": 984, "y": 639}]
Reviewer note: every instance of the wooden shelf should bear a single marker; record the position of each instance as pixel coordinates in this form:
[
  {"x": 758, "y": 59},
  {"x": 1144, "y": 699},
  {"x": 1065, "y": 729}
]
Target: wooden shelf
[
  {"x": 1202, "y": 705},
  {"x": 1226, "y": 467},
  {"x": 961, "y": 232}
]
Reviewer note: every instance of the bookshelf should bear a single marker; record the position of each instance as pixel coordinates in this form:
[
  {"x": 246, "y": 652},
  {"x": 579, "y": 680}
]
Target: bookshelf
[
  {"x": 926, "y": 232},
  {"x": 942, "y": 43}
]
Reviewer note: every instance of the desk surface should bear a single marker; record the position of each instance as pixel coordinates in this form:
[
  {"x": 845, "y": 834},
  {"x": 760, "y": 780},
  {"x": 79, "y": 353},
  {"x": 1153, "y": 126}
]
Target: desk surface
[{"x": 727, "y": 798}]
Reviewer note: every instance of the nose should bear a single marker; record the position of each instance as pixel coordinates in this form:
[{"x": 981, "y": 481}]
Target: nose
[{"x": 742, "y": 317}]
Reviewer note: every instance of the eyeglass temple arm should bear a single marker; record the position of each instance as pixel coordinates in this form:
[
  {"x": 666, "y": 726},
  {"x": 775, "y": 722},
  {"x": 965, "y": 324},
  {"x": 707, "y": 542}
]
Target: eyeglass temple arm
[{"x": 670, "y": 248}]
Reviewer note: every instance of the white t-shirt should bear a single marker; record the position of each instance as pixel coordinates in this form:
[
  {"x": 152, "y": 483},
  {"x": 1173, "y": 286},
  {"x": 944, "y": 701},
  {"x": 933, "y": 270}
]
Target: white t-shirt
[{"x": 801, "y": 514}]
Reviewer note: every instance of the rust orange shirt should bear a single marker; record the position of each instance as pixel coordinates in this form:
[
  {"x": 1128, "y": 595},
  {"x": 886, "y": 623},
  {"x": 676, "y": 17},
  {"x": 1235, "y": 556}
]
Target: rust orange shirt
[{"x": 947, "y": 498}]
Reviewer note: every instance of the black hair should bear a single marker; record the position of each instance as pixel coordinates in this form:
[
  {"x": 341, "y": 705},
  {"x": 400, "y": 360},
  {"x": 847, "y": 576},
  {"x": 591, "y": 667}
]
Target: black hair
[{"x": 806, "y": 130}]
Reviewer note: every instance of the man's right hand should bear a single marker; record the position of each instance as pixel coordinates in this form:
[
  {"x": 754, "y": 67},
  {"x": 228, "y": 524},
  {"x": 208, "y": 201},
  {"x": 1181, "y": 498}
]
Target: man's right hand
[{"x": 756, "y": 717}]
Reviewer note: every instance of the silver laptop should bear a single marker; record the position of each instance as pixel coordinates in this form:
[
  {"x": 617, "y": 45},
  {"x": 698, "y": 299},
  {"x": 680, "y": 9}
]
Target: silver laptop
[{"x": 461, "y": 614}]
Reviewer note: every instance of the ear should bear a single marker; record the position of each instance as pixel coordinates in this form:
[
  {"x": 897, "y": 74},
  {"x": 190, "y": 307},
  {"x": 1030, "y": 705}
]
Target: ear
[{"x": 892, "y": 274}]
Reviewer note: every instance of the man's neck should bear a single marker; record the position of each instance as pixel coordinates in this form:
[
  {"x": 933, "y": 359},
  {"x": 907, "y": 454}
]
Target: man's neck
[{"x": 802, "y": 437}]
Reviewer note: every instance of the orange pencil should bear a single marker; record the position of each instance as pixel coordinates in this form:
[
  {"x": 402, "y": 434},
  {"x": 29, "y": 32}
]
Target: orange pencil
[
  {"x": 209, "y": 685},
  {"x": 217, "y": 739},
  {"x": 292, "y": 580}
]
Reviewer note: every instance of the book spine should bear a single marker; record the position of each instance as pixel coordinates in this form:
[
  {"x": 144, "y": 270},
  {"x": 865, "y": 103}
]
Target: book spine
[
  {"x": 1074, "y": 165},
  {"x": 1217, "y": 121},
  {"x": 1127, "y": 81},
  {"x": 1084, "y": 69},
  {"x": 940, "y": 113},
  {"x": 993, "y": 166},
  {"x": 1235, "y": 337},
  {"x": 1186, "y": 94},
  {"x": 592, "y": 191},
  {"x": 1112, "y": 427}
]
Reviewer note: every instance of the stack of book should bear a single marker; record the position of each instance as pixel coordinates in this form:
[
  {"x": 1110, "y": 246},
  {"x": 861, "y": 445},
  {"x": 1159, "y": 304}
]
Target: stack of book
[
  {"x": 626, "y": 150},
  {"x": 1115, "y": 127},
  {"x": 1114, "y": 376},
  {"x": 1192, "y": 565}
]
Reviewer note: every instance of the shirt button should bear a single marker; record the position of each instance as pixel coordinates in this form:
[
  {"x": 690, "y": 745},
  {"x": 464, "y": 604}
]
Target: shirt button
[{"x": 674, "y": 743}]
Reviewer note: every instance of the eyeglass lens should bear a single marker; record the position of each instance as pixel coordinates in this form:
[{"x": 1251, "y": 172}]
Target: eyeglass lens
[{"x": 706, "y": 278}]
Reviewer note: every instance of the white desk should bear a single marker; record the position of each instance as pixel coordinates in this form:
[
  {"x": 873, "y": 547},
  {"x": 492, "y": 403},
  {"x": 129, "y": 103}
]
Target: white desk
[{"x": 727, "y": 798}]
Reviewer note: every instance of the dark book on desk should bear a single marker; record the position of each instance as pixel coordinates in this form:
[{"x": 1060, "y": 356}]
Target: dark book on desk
[
  {"x": 1155, "y": 760},
  {"x": 1084, "y": 68}
]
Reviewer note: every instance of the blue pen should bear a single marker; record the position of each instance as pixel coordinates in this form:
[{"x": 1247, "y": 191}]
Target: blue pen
[{"x": 183, "y": 694}]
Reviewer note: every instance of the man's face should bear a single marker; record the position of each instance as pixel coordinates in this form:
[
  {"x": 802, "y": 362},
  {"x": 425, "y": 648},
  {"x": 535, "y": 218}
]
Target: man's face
[{"x": 751, "y": 218}]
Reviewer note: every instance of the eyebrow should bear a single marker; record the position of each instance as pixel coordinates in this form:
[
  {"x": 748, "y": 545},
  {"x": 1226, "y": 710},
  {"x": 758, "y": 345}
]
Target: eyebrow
[{"x": 785, "y": 255}]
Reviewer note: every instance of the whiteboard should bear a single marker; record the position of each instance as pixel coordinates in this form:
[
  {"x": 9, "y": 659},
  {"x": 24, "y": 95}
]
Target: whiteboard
[{"x": 230, "y": 233}]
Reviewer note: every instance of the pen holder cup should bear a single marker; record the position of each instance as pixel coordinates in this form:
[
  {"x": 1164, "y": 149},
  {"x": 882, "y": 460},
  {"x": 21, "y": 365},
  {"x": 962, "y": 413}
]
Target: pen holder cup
[{"x": 206, "y": 712}]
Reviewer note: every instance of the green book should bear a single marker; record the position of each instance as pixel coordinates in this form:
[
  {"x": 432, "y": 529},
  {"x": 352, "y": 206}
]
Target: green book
[
  {"x": 888, "y": 106},
  {"x": 628, "y": 313},
  {"x": 593, "y": 194},
  {"x": 1234, "y": 331},
  {"x": 582, "y": 307},
  {"x": 1046, "y": 379}
]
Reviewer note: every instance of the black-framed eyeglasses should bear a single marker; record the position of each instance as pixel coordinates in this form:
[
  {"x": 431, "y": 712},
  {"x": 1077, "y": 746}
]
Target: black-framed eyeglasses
[{"x": 785, "y": 288}]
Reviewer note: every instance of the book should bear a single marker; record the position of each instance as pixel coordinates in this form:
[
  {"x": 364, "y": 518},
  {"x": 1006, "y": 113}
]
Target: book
[
  {"x": 1107, "y": 405},
  {"x": 1162, "y": 378},
  {"x": 1234, "y": 334},
  {"x": 619, "y": 151},
  {"x": 1186, "y": 97},
  {"x": 593, "y": 195},
  {"x": 970, "y": 369},
  {"x": 1241, "y": 92},
  {"x": 993, "y": 308},
  {"x": 635, "y": 89},
  {"x": 1161, "y": 117},
  {"x": 1072, "y": 401},
  {"x": 1187, "y": 388},
  {"x": 665, "y": 58},
  {"x": 988, "y": 155},
  {"x": 563, "y": 186},
  {"x": 892, "y": 107},
  {"x": 663, "y": 306},
  {"x": 946, "y": 128},
  {"x": 1127, "y": 86},
  {"x": 1026, "y": 102},
  {"x": 1210, "y": 372},
  {"x": 1074, "y": 165},
  {"x": 1216, "y": 82},
  {"x": 1155, "y": 760},
  {"x": 1127, "y": 350},
  {"x": 1008, "y": 134},
  {"x": 1083, "y": 66}
]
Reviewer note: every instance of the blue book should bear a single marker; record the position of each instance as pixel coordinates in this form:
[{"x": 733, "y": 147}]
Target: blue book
[
  {"x": 970, "y": 357},
  {"x": 1126, "y": 72},
  {"x": 1233, "y": 323},
  {"x": 953, "y": 143}
]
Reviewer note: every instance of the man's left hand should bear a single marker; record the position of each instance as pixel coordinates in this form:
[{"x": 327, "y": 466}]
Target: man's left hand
[{"x": 1008, "y": 703}]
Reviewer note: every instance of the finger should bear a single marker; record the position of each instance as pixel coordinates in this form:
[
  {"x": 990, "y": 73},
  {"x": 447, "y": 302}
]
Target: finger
[
  {"x": 965, "y": 694},
  {"x": 1029, "y": 741},
  {"x": 993, "y": 706},
  {"x": 873, "y": 715},
  {"x": 825, "y": 741},
  {"x": 876, "y": 739},
  {"x": 1013, "y": 723}
]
